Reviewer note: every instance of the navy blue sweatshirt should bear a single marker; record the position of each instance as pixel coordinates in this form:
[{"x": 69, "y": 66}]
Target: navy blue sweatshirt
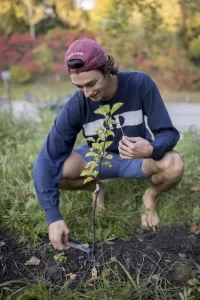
[{"x": 141, "y": 98}]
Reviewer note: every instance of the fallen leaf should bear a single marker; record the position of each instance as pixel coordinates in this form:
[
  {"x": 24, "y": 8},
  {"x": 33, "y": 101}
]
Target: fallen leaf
[
  {"x": 192, "y": 281},
  {"x": 71, "y": 276},
  {"x": 32, "y": 262},
  {"x": 195, "y": 188},
  {"x": 193, "y": 228},
  {"x": 85, "y": 245},
  {"x": 93, "y": 279},
  {"x": 105, "y": 273}
]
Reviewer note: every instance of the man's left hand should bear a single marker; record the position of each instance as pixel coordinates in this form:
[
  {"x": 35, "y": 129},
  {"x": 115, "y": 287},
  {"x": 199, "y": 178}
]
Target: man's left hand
[{"x": 134, "y": 147}]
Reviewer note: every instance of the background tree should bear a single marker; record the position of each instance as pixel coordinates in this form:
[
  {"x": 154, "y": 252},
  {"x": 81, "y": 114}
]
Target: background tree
[
  {"x": 189, "y": 28},
  {"x": 40, "y": 16}
]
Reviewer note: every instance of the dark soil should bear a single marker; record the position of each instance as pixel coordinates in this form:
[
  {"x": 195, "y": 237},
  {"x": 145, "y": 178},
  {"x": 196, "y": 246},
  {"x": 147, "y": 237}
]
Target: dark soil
[{"x": 171, "y": 253}]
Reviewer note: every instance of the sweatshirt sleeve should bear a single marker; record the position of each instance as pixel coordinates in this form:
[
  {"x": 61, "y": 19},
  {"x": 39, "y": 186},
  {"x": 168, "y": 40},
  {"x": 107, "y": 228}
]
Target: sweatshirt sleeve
[
  {"x": 47, "y": 170},
  {"x": 166, "y": 135}
]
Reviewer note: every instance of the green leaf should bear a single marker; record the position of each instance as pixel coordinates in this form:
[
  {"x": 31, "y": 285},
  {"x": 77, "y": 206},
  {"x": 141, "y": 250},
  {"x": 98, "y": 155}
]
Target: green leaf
[
  {"x": 107, "y": 144},
  {"x": 90, "y": 164},
  {"x": 102, "y": 144},
  {"x": 98, "y": 140},
  {"x": 91, "y": 154},
  {"x": 95, "y": 155},
  {"x": 110, "y": 132},
  {"x": 91, "y": 139},
  {"x": 85, "y": 173},
  {"x": 107, "y": 118},
  {"x": 95, "y": 173},
  {"x": 106, "y": 108},
  {"x": 88, "y": 179},
  {"x": 115, "y": 107},
  {"x": 93, "y": 166},
  {"x": 100, "y": 129},
  {"x": 100, "y": 111},
  {"x": 96, "y": 146},
  {"x": 101, "y": 138},
  {"x": 106, "y": 163},
  {"x": 109, "y": 156},
  {"x": 112, "y": 122}
]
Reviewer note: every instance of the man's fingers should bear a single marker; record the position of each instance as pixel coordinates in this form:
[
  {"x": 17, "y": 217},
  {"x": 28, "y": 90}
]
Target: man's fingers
[
  {"x": 126, "y": 150},
  {"x": 59, "y": 235},
  {"x": 133, "y": 139},
  {"x": 58, "y": 245},
  {"x": 154, "y": 228},
  {"x": 127, "y": 143},
  {"x": 66, "y": 239},
  {"x": 125, "y": 154},
  {"x": 124, "y": 147}
]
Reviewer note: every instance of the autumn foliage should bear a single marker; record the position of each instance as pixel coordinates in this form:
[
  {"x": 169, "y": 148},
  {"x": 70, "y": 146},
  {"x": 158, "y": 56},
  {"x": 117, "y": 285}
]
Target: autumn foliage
[
  {"x": 29, "y": 59},
  {"x": 42, "y": 56}
]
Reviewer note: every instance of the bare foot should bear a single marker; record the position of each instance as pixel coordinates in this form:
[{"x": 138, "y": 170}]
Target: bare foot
[
  {"x": 100, "y": 198},
  {"x": 150, "y": 219}
]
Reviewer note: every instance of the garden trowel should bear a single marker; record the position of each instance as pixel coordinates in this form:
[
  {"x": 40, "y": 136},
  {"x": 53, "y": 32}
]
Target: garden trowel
[{"x": 80, "y": 247}]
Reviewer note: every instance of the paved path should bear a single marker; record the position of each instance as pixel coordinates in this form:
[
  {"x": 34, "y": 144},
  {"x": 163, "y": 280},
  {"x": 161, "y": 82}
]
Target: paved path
[
  {"x": 23, "y": 109},
  {"x": 184, "y": 115}
]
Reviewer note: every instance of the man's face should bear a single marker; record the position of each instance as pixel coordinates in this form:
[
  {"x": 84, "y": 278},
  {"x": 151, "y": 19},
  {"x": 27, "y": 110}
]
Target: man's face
[{"x": 92, "y": 83}]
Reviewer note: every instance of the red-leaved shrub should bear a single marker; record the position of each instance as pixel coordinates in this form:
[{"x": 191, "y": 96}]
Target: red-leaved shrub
[{"x": 21, "y": 50}]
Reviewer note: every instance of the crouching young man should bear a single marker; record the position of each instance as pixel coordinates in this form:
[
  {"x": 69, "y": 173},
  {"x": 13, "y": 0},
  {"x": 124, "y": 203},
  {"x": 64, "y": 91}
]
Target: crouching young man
[{"x": 135, "y": 155}]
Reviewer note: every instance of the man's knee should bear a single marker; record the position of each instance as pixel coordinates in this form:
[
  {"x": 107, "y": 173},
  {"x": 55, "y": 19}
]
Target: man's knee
[
  {"x": 172, "y": 166},
  {"x": 73, "y": 166}
]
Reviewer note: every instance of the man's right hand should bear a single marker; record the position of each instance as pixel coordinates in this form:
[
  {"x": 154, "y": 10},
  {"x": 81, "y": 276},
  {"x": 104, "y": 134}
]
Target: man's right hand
[{"x": 59, "y": 235}]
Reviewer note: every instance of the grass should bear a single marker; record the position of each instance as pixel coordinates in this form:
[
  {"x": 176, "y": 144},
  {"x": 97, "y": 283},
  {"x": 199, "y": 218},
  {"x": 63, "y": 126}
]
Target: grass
[
  {"x": 115, "y": 289},
  {"x": 20, "y": 144}
]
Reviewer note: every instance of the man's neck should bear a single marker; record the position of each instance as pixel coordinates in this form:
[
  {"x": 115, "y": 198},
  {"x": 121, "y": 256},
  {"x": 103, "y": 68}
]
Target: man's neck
[{"x": 112, "y": 85}]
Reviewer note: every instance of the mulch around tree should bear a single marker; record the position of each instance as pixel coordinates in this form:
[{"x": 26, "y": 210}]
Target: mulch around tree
[{"x": 170, "y": 253}]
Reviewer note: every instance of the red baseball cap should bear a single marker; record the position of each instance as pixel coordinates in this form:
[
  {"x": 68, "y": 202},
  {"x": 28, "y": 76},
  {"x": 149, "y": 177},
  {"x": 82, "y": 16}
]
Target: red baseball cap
[{"x": 90, "y": 52}]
